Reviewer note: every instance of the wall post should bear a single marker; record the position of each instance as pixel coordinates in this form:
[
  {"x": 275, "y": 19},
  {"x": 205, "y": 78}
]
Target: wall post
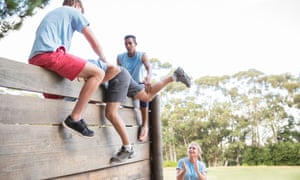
[{"x": 156, "y": 140}]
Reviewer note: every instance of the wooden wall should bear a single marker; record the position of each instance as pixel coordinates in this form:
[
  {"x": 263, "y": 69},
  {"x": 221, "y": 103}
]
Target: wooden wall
[{"x": 34, "y": 145}]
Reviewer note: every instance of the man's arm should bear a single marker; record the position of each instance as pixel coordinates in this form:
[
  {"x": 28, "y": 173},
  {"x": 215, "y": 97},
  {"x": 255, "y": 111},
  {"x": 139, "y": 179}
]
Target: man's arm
[
  {"x": 112, "y": 70},
  {"x": 91, "y": 38},
  {"x": 148, "y": 68},
  {"x": 118, "y": 61}
]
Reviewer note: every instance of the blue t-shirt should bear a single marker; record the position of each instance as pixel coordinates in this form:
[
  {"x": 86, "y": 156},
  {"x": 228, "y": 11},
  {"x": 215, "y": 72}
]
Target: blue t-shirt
[
  {"x": 132, "y": 64},
  {"x": 57, "y": 29},
  {"x": 190, "y": 172}
]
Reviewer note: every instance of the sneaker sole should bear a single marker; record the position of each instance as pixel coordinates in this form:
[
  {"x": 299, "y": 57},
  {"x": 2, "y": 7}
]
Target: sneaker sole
[
  {"x": 132, "y": 156},
  {"x": 116, "y": 160},
  {"x": 75, "y": 132}
]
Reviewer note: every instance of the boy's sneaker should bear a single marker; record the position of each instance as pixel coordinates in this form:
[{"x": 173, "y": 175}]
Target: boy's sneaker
[
  {"x": 80, "y": 128},
  {"x": 123, "y": 155},
  {"x": 182, "y": 77}
]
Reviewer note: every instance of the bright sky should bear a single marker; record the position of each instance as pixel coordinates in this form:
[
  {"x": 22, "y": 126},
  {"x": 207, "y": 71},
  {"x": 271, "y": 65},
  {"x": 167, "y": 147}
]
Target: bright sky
[{"x": 205, "y": 37}]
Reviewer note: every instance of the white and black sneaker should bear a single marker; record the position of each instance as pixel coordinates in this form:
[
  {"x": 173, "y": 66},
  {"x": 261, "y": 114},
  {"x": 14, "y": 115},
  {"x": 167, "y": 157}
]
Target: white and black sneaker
[
  {"x": 181, "y": 76},
  {"x": 123, "y": 155}
]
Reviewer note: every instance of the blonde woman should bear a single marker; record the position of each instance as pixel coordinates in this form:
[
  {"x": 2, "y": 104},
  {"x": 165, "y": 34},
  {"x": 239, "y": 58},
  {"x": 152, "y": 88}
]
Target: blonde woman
[{"x": 191, "y": 167}]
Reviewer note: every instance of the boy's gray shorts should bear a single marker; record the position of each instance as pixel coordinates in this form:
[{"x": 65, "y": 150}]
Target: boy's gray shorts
[{"x": 121, "y": 86}]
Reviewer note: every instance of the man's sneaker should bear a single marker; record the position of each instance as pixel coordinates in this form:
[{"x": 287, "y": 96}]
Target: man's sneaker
[
  {"x": 182, "y": 77},
  {"x": 80, "y": 128},
  {"x": 123, "y": 155}
]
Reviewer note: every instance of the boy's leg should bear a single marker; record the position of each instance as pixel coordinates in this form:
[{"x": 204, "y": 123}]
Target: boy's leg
[
  {"x": 93, "y": 76},
  {"x": 155, "y": 88},
  {"x": 111, "y": 72},
  {"x": 178, "y": 75},
  {"x": 115, "y": 94},
  {"x": 70, "y": 66},
  {"x": 112, "y": 114}
]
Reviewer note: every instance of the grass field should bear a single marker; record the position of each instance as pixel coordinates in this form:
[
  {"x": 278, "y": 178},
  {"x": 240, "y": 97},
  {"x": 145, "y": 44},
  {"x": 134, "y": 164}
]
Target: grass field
[{"x": 245, "y": 173}]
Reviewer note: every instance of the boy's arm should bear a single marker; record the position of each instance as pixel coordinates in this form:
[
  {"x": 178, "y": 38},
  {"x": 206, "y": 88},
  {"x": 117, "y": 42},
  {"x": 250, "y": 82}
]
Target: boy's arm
[{"x": 91, "y": 38}]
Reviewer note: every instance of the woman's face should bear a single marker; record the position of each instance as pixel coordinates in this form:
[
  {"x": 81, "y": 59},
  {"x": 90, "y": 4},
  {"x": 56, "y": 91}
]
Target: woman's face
[{"x": 193, "y": 151}]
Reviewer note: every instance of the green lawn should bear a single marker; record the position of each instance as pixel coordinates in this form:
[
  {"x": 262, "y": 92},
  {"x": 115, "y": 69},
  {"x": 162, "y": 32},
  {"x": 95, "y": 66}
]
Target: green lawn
[{"x": 245, "y": 173}]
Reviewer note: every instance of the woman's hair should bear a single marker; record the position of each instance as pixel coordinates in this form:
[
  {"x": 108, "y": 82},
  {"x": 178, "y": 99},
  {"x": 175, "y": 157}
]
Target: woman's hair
[
  {"x": 72, "y": 3},
  {"x": 198, "y": 149}
]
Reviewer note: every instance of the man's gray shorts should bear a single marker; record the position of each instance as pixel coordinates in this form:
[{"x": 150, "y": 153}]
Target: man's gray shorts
[{"x": 121, "y": 86}]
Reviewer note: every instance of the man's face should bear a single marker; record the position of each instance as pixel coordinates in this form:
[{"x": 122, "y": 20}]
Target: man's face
[{"x": 130, "y": 45}]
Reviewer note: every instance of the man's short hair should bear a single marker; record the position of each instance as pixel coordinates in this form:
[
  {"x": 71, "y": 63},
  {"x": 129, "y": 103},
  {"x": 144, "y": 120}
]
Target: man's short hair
[{"x": 130, "y": 36}]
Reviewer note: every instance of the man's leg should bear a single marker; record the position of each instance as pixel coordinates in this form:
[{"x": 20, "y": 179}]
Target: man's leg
[
  {"x": 155, "y": 88},
  {"x": 111, "y": 72},
  {"x": 115, "y": 94},
  {"x": 70, "y": 66},
  {"x": 179, "y": 75},
  {"x": 143, "y": 131},
  {"x": 149, "y": 93},
  {"x": 93, "y": 76},
  {"x": 112, "y": 114}
]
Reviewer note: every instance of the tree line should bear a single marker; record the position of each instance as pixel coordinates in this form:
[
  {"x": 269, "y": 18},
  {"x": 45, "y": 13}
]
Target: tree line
[{"x": 248, "y": 118}]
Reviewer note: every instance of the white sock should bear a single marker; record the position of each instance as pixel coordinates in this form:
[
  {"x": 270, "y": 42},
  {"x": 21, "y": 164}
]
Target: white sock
[{"x": 127, "y": 147}]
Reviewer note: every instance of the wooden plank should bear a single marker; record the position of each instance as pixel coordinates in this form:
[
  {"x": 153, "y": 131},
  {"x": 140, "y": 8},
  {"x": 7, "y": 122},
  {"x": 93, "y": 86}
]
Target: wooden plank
[
  {"x": 23, "y": 76},
  {"x": 136, "y": 171},
  {"x": 40, "y": 152},
  {"x": 18, "y": 75},
  {"x": 34, "y": 110}
]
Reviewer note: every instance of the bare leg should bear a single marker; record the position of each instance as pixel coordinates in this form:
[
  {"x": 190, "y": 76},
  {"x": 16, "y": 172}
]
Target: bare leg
[
  {"x": 155, "y": 88},
  {"x": 148, "y": 96},
  {"x": 127, "y": 150},
  {"x": 112, "y": 114},
  {"x": 149, "y": 93},
  {"x": 144, "y": 129},
  {"x": 111, "y": 72},
  {"x": 93, "y": 76}
]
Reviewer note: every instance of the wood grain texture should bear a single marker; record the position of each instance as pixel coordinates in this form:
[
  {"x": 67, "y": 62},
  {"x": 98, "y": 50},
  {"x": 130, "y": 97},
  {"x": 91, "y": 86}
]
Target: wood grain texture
[
  {"x": 34, "y": 145},
  {"x": 132, "y": 171},
  {"x": 34, "y": 110},
  {"x": 42, "y": 151},
  {"x": 17, "y": 75}
]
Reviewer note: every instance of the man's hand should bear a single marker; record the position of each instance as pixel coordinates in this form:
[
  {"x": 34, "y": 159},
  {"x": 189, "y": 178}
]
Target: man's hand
[{"x": 148, "y": 88}]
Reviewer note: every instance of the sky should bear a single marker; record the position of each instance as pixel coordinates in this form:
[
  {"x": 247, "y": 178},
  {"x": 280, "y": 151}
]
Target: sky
[{"x": 205, "y": 37}]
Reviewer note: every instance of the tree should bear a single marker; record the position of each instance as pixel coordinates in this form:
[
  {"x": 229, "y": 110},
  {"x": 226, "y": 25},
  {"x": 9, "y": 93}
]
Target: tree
[
  {"x": 234, "y": 118},
  {"x": 13, "y": 13}
]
